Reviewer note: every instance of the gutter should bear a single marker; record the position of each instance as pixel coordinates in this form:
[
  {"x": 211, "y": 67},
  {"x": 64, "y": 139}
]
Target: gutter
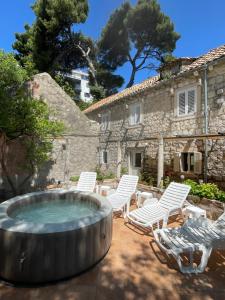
[
  {"x": 160, "y": 83},
  {"x": 206, "y": 120}
]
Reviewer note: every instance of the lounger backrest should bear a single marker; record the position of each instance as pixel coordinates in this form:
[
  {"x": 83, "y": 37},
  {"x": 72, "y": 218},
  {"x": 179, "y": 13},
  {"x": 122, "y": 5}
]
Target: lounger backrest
[
  {"x": 86, "y": 182},
  {"x": 174, "y": 195},
  {"x": 220, "y": 222},
  {"x": 127, "y": 185}
]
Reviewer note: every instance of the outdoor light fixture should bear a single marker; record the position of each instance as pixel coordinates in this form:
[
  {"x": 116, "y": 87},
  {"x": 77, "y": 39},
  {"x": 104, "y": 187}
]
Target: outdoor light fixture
[
  {"x": 219, "y": 91},
  {"x": 220, "y": 100},
  {"x": 196, "y": 73},
  {"x": 99, "y": 115},
  {"x": 200, "y": 81},
  {"x": 172, "y": 91},
  {"x": 210, "y": 68},
  {"x": 127, "y": 106}
]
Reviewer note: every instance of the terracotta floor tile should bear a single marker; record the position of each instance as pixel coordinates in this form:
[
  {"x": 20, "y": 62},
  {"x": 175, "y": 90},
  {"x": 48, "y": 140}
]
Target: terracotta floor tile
[{"x": 134, "y": 268}]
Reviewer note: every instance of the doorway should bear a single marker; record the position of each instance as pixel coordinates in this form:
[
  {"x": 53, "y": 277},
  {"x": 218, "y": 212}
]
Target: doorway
[{"x": 135, "y": 162}]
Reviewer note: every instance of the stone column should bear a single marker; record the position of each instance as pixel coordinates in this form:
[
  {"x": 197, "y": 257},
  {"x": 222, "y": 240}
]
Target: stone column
[
  {"x": 119, "y": 160},
  {"x": 160, "y": 172}
]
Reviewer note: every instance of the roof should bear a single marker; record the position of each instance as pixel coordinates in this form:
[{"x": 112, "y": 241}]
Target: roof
[{"x": 199, "y": 62}]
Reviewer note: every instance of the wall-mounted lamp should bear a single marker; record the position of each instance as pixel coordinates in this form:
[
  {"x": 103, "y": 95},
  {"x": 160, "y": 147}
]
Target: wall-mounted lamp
[
  {"x": 196, "y": 73},
  {"x": 99, "y": 115},
  {"x": 200, "y": 81},
  {"x": 220, "y": 100},
  {"x": 127, "y": 106},
  {"x": 210, "y": 67},
  {"x": 220, "y": 92},
  {"x": 172, "y": 91}
]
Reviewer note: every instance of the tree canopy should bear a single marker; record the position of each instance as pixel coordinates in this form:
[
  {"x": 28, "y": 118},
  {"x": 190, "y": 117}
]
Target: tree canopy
[
  {"x": 51, "y": 45},
  {"x": 23, "y": 119},
  {"x": 138, "y": 35}
]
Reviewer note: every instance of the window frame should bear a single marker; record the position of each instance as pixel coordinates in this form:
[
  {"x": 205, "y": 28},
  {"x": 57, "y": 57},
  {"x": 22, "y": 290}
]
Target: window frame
[
  {"x": 107, "y": 127},
  {"x": 132, "y": 108},
  {"x": 185, "y": 91},
  {"x": 102, "y": 161},
  {"x": 189, "y": 164}
]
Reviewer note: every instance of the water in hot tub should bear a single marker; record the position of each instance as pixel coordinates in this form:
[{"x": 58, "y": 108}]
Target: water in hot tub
[{"x": 54, "y": 211}]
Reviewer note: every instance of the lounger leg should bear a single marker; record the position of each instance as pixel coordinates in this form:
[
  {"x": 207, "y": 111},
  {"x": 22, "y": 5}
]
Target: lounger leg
[{"x": 206, "y": 252}]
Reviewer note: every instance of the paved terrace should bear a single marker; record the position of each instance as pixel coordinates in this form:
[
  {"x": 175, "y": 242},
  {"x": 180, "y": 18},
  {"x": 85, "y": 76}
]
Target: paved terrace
[{"x": 134, "y": 268}]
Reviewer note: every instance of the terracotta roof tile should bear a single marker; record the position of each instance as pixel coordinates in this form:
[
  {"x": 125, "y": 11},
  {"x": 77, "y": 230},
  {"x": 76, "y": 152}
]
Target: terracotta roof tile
[{"x": 153, "y": 81}]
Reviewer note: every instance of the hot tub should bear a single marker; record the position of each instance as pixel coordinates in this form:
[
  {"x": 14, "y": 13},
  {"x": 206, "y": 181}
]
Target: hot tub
[{"x": 48, "y": 236}]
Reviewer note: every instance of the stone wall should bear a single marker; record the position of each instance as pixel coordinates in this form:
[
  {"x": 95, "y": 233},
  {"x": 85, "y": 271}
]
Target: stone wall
[
  {"x": 159, "y": 115},
  {"x": 75, "y": 151}
]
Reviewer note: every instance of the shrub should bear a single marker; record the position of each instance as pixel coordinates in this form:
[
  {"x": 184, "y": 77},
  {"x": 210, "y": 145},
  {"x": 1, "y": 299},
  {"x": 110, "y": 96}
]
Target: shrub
[
  {"x": 74, "y": 178},
  {"x": 206, "y": 190},
  {"x": 101, "y": 176}
]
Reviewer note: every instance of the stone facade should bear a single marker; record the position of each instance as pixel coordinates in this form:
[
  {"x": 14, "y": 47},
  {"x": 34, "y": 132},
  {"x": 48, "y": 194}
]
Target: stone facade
[
  {"x": 159, "y": 117},
  {"x": 73, "y": 152}
]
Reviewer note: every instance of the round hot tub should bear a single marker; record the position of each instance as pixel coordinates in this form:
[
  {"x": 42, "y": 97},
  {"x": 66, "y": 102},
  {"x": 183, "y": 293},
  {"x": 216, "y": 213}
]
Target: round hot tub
[{"x": 52, "y": 235}]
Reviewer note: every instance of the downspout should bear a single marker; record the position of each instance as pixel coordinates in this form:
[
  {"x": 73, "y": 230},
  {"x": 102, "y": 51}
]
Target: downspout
[{"x": 206, "y": 121}]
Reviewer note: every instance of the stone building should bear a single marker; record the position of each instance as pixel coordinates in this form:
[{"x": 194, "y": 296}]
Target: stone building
[
  {"x": 73, "y": 152},
  {"x": 177, "y": 116}
]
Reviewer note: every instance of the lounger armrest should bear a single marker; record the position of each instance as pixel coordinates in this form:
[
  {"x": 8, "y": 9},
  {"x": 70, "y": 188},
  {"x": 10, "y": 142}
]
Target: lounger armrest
[
  {"x": 169, "y": 213},
  {"x": 173, "y": 209}
]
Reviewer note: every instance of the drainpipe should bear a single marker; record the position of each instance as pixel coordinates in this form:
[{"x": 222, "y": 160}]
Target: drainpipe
[
  {"x": 206, "y": 121},
  {"x": 160, "y": 162}
]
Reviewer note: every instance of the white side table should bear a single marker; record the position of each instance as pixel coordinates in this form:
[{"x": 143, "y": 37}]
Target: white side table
[
  {"x": 193, "y": 212},
  {"x": 104, "y": 190},
  {"x": 142, "y": 197}
]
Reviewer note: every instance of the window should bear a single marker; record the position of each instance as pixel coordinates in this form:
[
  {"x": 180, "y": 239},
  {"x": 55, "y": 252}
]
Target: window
[
  {"x": 104, "y": 157},
  {"x": 136, "y": 159},
  {"x": 187, "y": 162},
  {"x": 190, "y": 162},
  {"x": 186, "y": 102},
  {"x": 105, "y": 122},
  {"x": 84, "y": 77},
  {"x": 135, "y": 114},
  {"x": 87, "y": 95}
]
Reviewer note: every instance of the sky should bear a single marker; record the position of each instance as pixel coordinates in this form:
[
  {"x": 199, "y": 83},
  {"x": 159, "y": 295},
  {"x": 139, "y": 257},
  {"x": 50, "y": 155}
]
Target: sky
[{"x": 201, "y": 24}]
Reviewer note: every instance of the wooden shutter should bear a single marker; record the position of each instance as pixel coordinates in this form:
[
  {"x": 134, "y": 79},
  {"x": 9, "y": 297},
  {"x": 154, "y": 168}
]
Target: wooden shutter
[
  {"x": 176, "y": 162},
  {"x": 197, "y": 162},
  {"x": 181, "y": 103},
  {"x": 191, "y": 101},
  {"x": 137, "y": 114}
]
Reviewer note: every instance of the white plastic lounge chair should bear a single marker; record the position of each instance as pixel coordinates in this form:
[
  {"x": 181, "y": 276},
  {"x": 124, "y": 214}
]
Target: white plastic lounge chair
[
  {"x": 195, "y": 235},
  {"x": 170, "y": 203},
  {"x": 120, "y": 200},
  {"x": 86, "y": 182}
]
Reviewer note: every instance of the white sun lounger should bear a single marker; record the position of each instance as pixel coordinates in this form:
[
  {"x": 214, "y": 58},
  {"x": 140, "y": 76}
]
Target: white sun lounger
[
  {"x": 170, "y": 203},
  {"x": 120, "y": 200},
  {"x": 195, "y": 235},
  {"x": 86, "y": 182}
]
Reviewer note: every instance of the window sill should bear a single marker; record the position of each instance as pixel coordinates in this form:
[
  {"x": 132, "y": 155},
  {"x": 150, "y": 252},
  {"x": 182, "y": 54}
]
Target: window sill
[
  {"x": 186, "y": 117},
  {"x": 134, "y": 126},
  {"x": 105, "y": 131}
]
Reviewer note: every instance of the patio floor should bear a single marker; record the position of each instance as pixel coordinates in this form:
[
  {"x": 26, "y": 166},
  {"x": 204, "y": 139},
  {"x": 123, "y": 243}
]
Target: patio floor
[{"x": 134, "y": 268}]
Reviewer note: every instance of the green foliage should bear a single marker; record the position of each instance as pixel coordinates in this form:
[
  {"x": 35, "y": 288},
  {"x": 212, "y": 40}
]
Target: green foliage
[
  {"x": 22, "y": 117},
  {"x": 74, "y": 178},
  {"x": 82, "y": 104},
  {"x": 65, "y": 85},
  {"x": 206, "y": 190},
  {"x": 146, "y": 178},
  {"x": 102, "y": 176},
  {"x": 124, "y": 171},
  {"x": 140, "y": 35},
  {"x": 166, "y": 181},
  {"x": 46, "y": 45}
]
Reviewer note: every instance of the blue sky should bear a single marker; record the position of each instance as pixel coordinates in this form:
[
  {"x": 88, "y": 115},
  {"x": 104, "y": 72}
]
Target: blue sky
[{"x": 201, "y": 23}]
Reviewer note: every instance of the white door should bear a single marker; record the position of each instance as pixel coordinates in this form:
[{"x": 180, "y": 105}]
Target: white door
[{"x": 135, "y": 162}]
